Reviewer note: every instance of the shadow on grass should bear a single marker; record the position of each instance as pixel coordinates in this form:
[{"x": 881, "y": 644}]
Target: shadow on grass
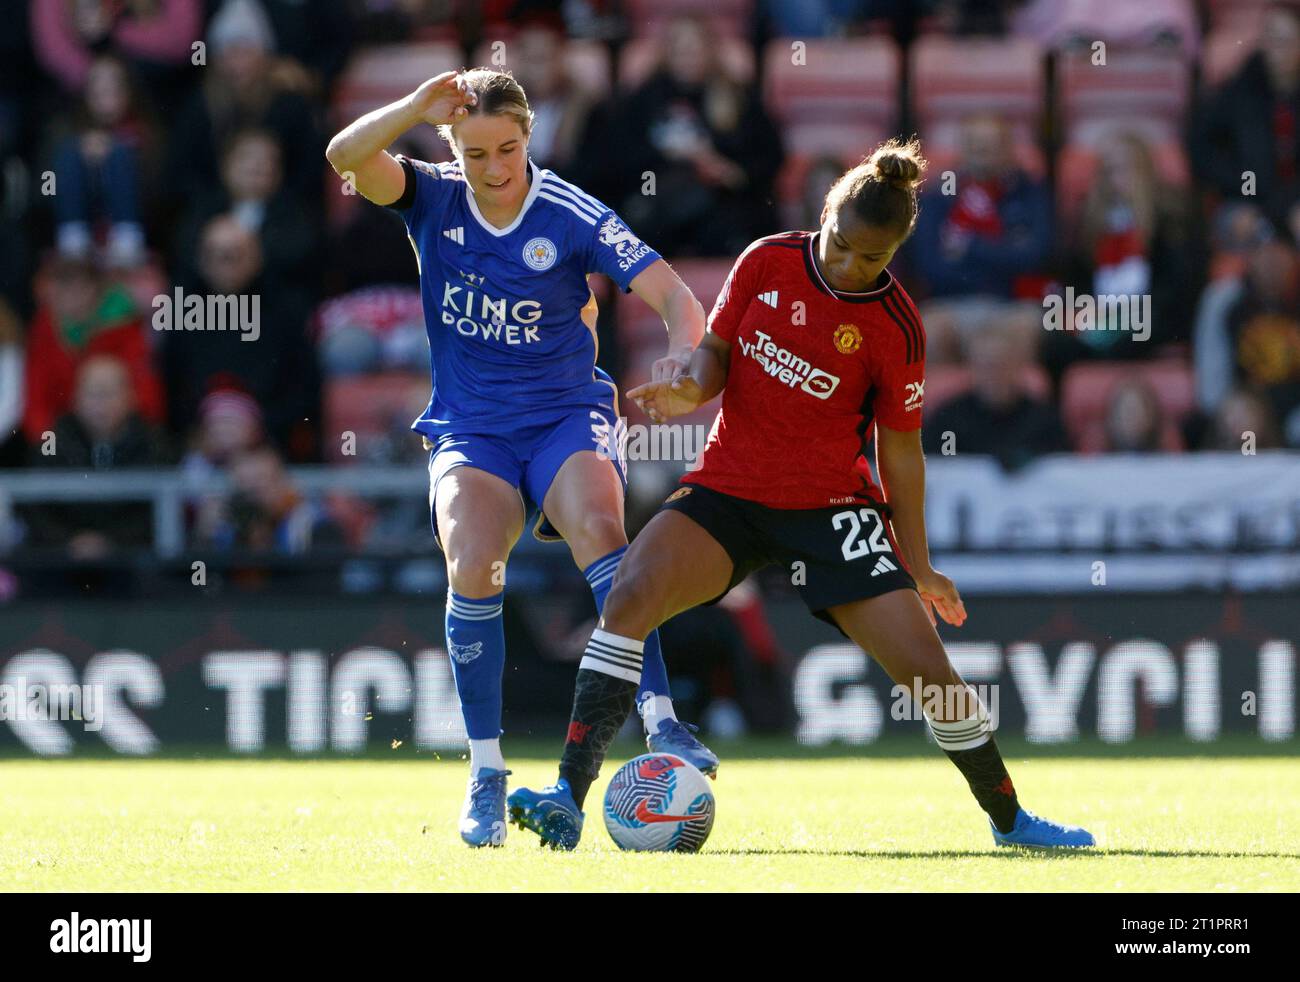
[
  {"x": 777, "y": 749},
  {"x": 1004, "y": 853}
]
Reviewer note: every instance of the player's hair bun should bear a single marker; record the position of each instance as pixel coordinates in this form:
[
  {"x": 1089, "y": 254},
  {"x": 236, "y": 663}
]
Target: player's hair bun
[
  {"x": 898, "y": 164},
  {"x": 884, "y": 188}
]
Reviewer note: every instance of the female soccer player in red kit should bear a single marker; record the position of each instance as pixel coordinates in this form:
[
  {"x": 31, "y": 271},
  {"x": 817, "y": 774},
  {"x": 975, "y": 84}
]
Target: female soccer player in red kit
[{"x": 814, "y": 344}]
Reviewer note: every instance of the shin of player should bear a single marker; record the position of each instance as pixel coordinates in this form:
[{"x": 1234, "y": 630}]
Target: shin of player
[{"x": 653, "y": 698}]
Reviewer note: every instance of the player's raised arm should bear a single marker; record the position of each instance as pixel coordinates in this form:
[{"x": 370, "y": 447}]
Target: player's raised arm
[{"x": 358, "y": 152}]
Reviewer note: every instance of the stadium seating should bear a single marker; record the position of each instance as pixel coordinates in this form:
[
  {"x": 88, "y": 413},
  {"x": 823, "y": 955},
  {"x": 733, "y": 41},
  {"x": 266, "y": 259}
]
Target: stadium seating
[
  {"x": 377, "y": 76},
  {"x": 586, "y": 62},
  {"x": 842, "y": 99},
  {"x": 647, "y": 17},
  {"x": 1087, "y": 388},
  {"x": 943, "y": 383},
  {"x": 1240, "y": 14},
  {"x": 638, "y": 325},
  {"x": 840, "y": 104},
  {"x": 640, "y": 56},
  {"x": 1144, "y": 91},
  {"x": 1076, "y": 167},
  {"x": 955, "y": 78}
]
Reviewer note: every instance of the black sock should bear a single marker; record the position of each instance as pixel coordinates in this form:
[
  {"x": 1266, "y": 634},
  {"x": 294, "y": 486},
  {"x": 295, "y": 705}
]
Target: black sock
[
  {"x": 984, "y": 771},
  {"x": 603, "y": 698},
  {"x": 970, "y": 745}
]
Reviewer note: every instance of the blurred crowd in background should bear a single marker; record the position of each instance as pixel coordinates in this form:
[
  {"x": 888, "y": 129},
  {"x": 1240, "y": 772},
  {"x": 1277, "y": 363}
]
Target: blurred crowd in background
[{"x": 135, "y": 160}]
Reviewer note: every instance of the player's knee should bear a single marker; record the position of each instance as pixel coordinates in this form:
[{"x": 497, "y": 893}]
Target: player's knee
[
  {"x": 634, "y": 606},
  {"x": 475, "y": 570},
  {"x": 596, "y": 533}
]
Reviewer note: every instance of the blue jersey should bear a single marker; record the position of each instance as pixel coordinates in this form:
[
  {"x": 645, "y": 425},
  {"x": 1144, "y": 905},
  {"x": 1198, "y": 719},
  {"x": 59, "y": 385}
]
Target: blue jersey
[{"x": 502, "y": 306}]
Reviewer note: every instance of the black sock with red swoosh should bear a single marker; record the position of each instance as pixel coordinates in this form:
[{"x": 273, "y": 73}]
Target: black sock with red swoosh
[
  {"x": 989, "y": 782},
  {"x": 970, "y": 745},
  {"x": 603, "y": 698}
]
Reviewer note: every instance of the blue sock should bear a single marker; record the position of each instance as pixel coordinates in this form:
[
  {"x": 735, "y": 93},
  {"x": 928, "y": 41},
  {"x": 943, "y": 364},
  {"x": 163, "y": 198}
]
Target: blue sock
[
  {"x": 476, "y": 644},
  {"x": 654, "y": 675}
]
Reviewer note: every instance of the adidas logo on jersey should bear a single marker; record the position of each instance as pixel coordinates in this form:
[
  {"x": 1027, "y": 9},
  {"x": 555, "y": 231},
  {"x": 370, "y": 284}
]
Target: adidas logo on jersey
[
  {"x": 456, "y": 234},
  {"x": 769, "y": 298},
  {"x": 883, "y": 565}
]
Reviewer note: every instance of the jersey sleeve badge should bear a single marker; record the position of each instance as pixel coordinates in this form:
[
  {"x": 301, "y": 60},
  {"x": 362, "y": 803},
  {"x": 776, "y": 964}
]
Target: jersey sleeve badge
[{"x": 620, "y": 238}]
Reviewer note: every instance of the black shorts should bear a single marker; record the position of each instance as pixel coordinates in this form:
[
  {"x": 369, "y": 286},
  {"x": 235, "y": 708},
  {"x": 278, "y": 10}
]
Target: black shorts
[{"x": 832, "y": 555}]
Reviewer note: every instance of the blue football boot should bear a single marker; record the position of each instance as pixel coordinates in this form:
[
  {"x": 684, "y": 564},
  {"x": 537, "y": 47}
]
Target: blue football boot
[
  {"x": 677, "y": 738},
  {"x": 483, "y": 817},
  {"x": 551, "y": 813},
  {"x": 1033, "y": 832}
]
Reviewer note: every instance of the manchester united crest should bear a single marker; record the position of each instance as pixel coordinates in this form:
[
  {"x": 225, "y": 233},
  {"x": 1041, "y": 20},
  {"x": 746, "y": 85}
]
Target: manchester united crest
[{"x": 847, "y": 339}]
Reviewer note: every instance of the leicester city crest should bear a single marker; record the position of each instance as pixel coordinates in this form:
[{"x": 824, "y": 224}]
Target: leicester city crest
[{"x": 540, "y": 253}]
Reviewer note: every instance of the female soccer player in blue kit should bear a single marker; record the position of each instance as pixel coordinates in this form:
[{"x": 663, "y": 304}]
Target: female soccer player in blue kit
[{"x": 520, "y": 418}]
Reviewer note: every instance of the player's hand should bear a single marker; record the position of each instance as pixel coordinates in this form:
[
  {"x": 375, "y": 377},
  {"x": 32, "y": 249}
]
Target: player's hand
[
  {"x": 672, "y": 365},
  {"x": 939, "y": 595},
  {"x": 666, "y": 398},
  {"x": 443, "y": 99}
]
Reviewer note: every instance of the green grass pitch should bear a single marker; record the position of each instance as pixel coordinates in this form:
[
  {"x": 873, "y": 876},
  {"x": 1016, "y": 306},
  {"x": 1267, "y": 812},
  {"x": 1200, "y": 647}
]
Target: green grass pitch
[{"x": 788, "y": 819}]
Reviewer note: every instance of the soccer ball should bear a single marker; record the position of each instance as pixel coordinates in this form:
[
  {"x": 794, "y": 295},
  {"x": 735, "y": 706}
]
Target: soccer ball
[{"x": 659, "y": 803}]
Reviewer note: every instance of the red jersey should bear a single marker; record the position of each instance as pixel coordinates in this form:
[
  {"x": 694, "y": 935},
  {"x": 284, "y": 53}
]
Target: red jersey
[{"x": 812, "y": 370}]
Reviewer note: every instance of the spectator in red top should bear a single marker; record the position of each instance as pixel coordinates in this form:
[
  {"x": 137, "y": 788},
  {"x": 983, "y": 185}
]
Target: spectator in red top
[
  {"x": 995, "y": 228},
  {"x": 81, "y": 315},
  {"x": 1134, "y": 238},
  {"x": 1252, "y": 125}
]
